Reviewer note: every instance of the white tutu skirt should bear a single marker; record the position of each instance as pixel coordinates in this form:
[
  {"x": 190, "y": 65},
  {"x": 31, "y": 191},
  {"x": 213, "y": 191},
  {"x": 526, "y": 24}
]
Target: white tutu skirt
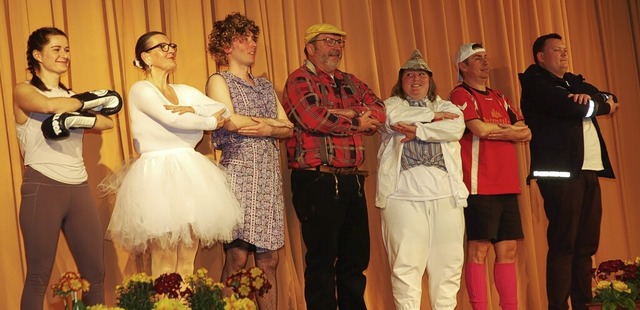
[{"x": 171, "y": 196}]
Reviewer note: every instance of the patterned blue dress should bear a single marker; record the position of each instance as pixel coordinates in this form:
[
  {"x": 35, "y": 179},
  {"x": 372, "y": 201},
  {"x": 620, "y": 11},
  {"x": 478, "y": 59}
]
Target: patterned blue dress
[{"x": 253, "y": 165}]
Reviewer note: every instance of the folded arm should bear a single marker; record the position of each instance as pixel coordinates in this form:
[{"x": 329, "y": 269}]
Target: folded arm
[
  {"x": 518, "y": 132},
  {"x": 280, "y": 127},
  {"x": 151, "y": 103},
  {"x": 305, "y": 107},
  {"x": 27, "y": 99}
]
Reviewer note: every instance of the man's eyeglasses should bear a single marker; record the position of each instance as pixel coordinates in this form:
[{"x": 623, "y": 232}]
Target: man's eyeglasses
[
  {"x": 164, "y": 47},
  {"x": 331, "y": 42}
]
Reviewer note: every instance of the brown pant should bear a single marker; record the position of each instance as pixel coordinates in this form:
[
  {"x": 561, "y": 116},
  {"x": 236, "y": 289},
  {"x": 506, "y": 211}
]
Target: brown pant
[{"x": 48, "y": 206}]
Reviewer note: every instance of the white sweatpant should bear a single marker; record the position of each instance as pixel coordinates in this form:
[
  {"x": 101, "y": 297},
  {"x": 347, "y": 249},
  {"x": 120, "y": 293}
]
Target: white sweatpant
[{"x": 421, "y": 235}]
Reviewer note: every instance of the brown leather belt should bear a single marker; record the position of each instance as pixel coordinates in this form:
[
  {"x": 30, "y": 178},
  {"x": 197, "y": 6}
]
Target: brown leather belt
[{"x": 337, "y": 170}]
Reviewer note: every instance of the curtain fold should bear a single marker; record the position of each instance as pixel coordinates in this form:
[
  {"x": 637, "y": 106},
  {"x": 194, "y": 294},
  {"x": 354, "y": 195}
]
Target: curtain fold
[{"x": 603, "y": 38}]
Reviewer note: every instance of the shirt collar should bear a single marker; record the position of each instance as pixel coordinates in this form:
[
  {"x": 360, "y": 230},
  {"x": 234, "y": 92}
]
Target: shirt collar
[{"x": 311, "y": 67}]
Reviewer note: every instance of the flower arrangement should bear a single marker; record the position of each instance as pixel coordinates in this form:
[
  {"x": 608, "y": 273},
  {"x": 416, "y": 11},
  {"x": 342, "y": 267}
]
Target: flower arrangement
[
  {"x": 103, "y": 307},
  {"x": 136, "y": 292},
  {"x": 203, "y": 293},
  {"x": 68, "y": 286},
  {"x": 168, "y": 285},
  {"x": 246, "y": 282},
  {"x": 166, "y": 303},
  {"x": 617, "y": 284},
  {"x": 195, "y": 292}
]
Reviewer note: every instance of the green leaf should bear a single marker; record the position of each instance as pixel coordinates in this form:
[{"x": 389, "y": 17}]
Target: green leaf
[
  {"x": 627, "y": 304},
  {"x": 78, "y": 305}
]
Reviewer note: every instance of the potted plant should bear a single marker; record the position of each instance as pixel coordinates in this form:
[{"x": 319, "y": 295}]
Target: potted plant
[
  {"x": 172, "y": 292},
  {"x": 617, "y": 284},
  {"x": 67, "y": 288}
]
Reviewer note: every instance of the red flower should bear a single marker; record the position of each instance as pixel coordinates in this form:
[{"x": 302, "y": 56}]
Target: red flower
[{"x": 168, "y": 284}]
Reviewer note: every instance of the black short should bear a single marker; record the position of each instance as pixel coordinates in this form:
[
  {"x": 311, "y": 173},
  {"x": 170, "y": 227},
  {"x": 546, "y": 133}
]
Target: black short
[
  {"x": 493, "y": 217},
  {"x": 246, "y": 246}
]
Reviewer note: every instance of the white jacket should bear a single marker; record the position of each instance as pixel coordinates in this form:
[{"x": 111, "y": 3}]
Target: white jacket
[{"x": 447, "y": 132}]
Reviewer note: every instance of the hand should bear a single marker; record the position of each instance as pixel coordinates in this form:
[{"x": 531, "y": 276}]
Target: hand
[
  {"x": 221, "y": 120},
  {"x": 276, "y": 123},
  {"x": 368, "y": 123},
  {"x": 507, "y": 132},
  {"x": 438, "y": 116},
  {"x": 180, "y": 109},
  {"x": 409, "y": 131},
  {"x": 260, "y": 129},
  {"x": 58, "y": 126},
  {"x": 348, "y": 113},
  {"x": 580, "y": 98},
  {"x": 614, "y": 106},
  {"x": 105, "y": 101}
]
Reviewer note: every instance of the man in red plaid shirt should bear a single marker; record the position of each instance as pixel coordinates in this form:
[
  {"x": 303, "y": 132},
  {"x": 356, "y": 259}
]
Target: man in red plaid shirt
[{"x": 331, "y": 111}]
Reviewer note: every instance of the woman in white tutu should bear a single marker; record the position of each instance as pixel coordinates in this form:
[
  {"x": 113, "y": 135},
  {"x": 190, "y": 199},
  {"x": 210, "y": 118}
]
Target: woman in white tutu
[{"x": 172, "y": 197}]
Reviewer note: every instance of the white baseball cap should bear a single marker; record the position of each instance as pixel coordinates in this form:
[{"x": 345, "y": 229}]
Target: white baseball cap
[{"x": 465, "y": 51}]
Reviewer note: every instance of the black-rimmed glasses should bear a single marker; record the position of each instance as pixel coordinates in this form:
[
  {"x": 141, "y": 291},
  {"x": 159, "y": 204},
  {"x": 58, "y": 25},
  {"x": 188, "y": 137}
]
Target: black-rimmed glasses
[
  {"x": 331, "y": 42},
  {"x": 164, "y": 47}
]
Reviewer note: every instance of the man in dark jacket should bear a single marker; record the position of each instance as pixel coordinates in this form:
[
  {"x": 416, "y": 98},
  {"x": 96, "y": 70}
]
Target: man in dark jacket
[{"x": 567, "y": 156}]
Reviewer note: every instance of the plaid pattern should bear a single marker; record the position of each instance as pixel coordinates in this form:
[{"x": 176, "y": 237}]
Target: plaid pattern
[{"x": 320, "y": 137}]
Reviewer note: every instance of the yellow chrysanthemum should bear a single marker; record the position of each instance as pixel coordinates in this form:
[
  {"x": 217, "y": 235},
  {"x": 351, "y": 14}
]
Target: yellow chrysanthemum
[
  {"x": 245, "y": 280},
  {"x": 169, "y": 304},
  {"x": 244, "y": 290},
  {"x": 75, "y": 284},
  {"x": 258, "y": 283},
  {"x": 138, "y": 277},
  {"x": 255, "y": 272},
  {"x": 603, "y": 284},
  {"x": 218, "y": 285},
  {"x": 229, "y": 302},
  {"x": 245, "y": 304},
  {"x": 85, "y": 285},
  {"x": 190, "y": 279},
  {"x": 202, "y": 273},
  {"x": 209, "y": 282},
  {"x": 233, "y": 303},
  {"x": 620, "y": 286}
]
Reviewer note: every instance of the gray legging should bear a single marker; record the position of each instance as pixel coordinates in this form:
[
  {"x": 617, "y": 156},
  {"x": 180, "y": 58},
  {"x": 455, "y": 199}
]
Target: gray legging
[{"x": 48, "y": 206}]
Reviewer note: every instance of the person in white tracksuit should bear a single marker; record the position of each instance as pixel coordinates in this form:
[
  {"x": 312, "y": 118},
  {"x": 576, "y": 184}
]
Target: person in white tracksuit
[{"x": 420, "y": 190}]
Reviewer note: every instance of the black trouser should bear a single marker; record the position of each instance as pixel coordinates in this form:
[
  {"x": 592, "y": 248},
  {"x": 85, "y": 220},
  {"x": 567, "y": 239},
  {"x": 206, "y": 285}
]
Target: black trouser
[
  {"x": 335, "y": 230},
  {"x": 574, "y": 209}
]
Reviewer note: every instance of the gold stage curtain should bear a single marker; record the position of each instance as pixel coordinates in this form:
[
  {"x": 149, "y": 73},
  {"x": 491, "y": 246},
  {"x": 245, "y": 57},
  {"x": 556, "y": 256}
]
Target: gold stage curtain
[{"x": 602, "y": 36}]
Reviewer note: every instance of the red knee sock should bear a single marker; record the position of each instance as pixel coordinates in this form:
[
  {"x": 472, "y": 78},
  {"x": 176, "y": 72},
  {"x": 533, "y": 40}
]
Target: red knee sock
[
  {"x": 475, "y": 277},
  {"x": 507, "y": 285}
]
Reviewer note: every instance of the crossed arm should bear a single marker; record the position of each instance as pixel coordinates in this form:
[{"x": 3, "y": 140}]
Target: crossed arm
[
  {"x": 280, "y": 127},
  {"x": 518, "y": 132},
  {"x": 27, "y": 100}
]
